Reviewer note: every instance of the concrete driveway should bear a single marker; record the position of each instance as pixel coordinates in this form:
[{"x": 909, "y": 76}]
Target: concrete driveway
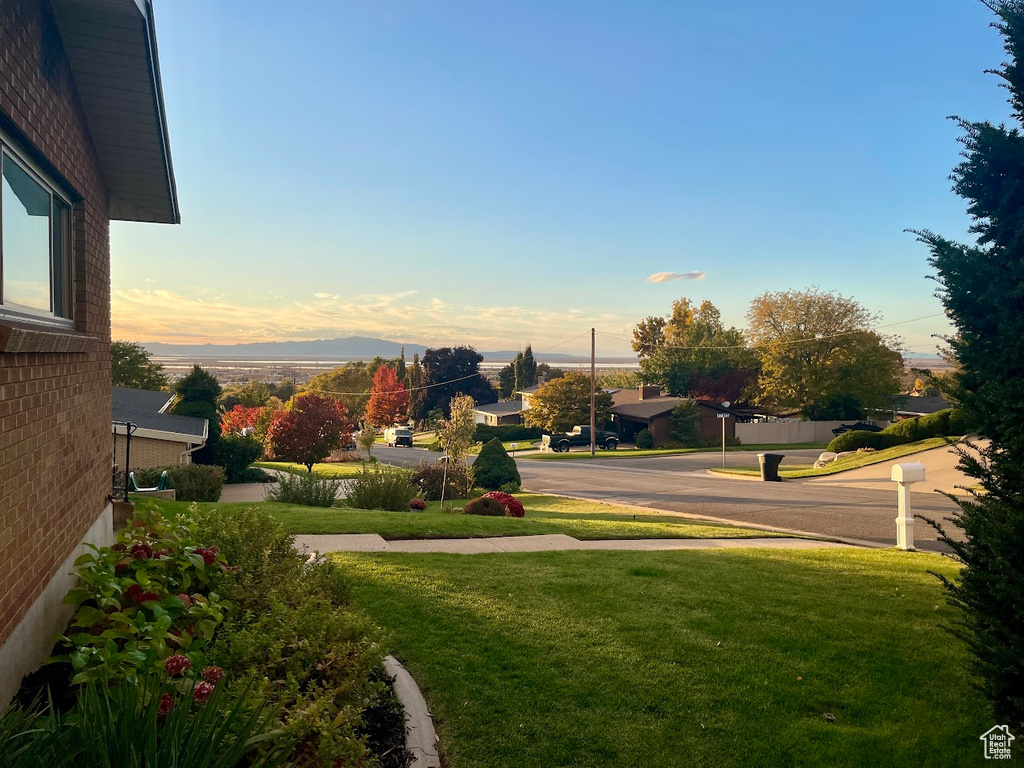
[
  {"x": 941, "y": 474},
  {"x": 681, "y": 484}
]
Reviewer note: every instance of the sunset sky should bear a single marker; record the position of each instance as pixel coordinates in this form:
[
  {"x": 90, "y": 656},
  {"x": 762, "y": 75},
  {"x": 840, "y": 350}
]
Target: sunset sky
[{"x": 503, "y": 173}]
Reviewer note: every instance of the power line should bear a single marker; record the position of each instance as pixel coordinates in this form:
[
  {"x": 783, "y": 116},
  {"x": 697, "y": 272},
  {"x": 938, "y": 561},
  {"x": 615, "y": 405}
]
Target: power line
[{"x": 436, "y": 384}]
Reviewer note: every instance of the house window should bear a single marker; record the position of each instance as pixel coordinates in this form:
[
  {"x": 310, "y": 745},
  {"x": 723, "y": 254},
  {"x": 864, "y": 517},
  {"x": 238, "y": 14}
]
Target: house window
[{"x": 35, "y": 241}]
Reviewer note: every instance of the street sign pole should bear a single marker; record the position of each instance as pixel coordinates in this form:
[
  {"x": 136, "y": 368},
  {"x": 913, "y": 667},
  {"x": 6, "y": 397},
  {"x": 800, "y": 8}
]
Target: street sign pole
[{"x": 723, "y": 417}]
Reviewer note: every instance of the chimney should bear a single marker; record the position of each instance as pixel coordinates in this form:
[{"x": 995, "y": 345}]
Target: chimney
[
  {"x": 541, "y": 379},
  {"x": 650, "y": 391}
]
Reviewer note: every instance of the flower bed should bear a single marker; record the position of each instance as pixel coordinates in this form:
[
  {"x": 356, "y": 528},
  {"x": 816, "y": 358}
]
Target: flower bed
[{"x": 210, "y": 621}]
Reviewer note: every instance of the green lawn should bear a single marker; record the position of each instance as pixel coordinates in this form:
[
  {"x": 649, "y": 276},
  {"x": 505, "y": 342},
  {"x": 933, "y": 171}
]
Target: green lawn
[
  {"x": 636, "y": 453},
  {"x": 701, "y": 658},
  {"x": 848, "y": 462},
  {"x": 344, "y": 469},
  {"x": 544, "y": 515}
]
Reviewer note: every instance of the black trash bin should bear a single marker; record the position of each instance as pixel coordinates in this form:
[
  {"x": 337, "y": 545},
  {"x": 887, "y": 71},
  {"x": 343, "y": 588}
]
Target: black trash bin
[{"x": 770, "y": 465}]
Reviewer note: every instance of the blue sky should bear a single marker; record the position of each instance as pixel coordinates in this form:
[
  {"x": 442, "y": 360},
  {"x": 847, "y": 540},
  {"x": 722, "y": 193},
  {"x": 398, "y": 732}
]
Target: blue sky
[{"x": 502, "y": 173}]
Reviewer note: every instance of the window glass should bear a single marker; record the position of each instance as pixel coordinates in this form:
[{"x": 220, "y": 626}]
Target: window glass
[{"x": 26, "y": 240}]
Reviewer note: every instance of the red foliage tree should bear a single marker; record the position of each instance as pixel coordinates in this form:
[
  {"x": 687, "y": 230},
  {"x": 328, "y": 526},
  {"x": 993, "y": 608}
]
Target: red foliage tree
[
  {"x": 389, "y": 399},
  {"x": 239, "y": 419},
  {"x": 308, "y": 432}
]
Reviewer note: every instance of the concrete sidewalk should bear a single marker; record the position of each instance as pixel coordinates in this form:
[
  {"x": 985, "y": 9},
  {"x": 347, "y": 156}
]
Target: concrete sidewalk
[{"x": 371, "y": 542}]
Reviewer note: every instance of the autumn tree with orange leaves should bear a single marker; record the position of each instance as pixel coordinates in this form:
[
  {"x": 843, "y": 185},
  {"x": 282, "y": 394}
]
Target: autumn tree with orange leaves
[{"x": 389, "y": 399}]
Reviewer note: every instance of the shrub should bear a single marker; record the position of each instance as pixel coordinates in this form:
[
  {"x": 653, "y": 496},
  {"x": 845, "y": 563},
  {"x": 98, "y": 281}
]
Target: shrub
[
  {"x": 235, "y": 453},
  {"x": 494, "y": 468},
  {"x": 380, "y": 486},
  {"x": 417, "y": 505},
  {"x": 257, "y": 475},
  {"x": 429, "y": 476},
  {"x": 191, "y": 482},
  {"x": 150, "y": 596},
  {"x": 857, "y": 438},
  {"x": 487, "y": 506},
  {"x": 506, "y": 433},
  {"x": 513, "y": 506},
  {"x": 295, "y": 635},
  {"x": 307, "y": 489},
  {"x": 644, "y": 439}
]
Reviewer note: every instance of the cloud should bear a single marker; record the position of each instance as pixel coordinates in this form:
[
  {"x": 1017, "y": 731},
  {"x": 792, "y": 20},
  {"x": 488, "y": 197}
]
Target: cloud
[
  {"x": 664, "y": 277},
  {"x": 166, "y": 315}
]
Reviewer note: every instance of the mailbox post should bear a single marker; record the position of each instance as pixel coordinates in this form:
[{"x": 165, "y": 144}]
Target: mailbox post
[{"x": 905, "y": 475}]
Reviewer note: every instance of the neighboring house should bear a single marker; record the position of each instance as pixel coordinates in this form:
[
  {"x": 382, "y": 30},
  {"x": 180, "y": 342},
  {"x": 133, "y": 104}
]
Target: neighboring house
[
  {"x": 526, "y": 394},
  {"x": 160, "y": 439},
  {"x": 83, "y": 140},
  {"x": 646, "y": 408},
  {"x": 496, "y": 414}
]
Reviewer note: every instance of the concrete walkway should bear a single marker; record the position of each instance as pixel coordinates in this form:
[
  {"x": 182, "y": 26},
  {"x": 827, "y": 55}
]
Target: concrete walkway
[{"x": 371, "y": 542}]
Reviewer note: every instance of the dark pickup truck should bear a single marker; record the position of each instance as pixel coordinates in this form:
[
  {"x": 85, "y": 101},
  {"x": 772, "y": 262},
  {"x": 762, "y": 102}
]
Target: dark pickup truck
[{"x": 579, "y": 436}]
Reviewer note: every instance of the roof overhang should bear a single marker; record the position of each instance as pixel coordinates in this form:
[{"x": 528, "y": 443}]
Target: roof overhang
[
  {"x": 160, "y": 434},
  {"x": 111, "y": 46}
]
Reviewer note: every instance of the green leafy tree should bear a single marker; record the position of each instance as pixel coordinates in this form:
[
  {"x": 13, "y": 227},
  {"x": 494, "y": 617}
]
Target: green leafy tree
[
  {"x": 198, "y": 393},
  {"x": 691, "y": 353},
  {"x": 349, "y": 384},
  {"x": 563, "y": 403},
  {"x": 620, "y": 380},
  {"x": 981, "y": 288},
  {"x": 817, "y": 346},
  {"x": 455, "y": 432},
  {"x": 453, "y": 371},
  {"x": 132, "y": 366}
]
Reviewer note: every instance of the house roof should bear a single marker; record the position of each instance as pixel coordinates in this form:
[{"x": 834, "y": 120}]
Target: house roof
[
  {"x": 646, "y": 409},
  {"x": 501, "y": 409},
  {"x": 111, "y": 47},
  {"x": 528, "y": 390},
  {"x": 144, "y": 408},
  {"x": 920, "y": 406}
]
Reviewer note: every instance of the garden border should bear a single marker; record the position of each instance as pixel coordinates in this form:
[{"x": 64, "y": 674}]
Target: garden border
[{"x": 420, "y": 736}]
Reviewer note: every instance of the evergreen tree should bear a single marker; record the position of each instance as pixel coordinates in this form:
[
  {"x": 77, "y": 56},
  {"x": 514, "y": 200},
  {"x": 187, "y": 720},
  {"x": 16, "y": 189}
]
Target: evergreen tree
[
  {"x": 414, "y": 382},
  {"x": 982, "y": 287},
  {"x": 529, "y": 367},
  {"x": 197, "y": 396},
  {"x": 400, "y": 367},
  {"x": 520, "y": 372},
  {"x": 507, "y": 381}
]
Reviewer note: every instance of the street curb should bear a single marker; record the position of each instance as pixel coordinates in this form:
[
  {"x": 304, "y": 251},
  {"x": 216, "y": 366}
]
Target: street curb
[
  {"x": 420, "y": 736},
  {"x": 735, "y": 523}
]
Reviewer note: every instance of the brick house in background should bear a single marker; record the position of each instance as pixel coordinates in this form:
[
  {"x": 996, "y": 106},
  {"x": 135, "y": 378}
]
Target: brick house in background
[{"x": 83, "y": 140}]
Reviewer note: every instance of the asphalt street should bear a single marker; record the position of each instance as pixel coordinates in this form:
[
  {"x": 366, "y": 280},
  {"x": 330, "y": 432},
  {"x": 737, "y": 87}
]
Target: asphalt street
[{"x": 682, "y": 484}]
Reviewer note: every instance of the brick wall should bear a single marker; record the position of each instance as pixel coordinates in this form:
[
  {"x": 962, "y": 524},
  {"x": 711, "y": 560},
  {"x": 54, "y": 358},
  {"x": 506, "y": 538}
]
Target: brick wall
[
  {"x": 148, "y": 452},
  {"x": 55, "y": 441}
]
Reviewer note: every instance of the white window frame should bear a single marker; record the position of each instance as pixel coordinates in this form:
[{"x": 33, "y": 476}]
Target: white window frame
[{"x": 11, "y": 149}]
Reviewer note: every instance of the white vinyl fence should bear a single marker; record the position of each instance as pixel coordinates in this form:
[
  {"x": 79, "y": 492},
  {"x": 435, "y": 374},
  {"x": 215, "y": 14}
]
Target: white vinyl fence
[{"x": 793, "y": 431}]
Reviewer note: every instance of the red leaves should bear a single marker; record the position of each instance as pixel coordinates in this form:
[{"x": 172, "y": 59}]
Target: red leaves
[{"x": 389, "y": 399}]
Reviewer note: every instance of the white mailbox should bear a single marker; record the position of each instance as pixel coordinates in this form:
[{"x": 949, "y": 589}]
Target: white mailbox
[{"x": 908, "y": 473}]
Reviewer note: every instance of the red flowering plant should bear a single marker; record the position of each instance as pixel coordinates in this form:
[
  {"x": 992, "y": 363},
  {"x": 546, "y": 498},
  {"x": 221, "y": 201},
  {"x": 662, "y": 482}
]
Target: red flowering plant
[
  {"x": 417, "y": 505},
  {"x": 149, "y": 598},
  {"x": 513, "y": 506}
]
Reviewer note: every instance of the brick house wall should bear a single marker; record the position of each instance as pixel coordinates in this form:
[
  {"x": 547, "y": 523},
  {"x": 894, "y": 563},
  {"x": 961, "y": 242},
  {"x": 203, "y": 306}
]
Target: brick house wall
[
  {"x": 149, "y": 452},
  {"x": 55, "y": 441}
]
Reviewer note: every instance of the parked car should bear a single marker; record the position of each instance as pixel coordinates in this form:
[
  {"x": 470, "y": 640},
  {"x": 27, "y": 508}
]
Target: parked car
[
  {"x": 394, "y": 436},
  {"x": 348, "y": 442},
  {"x": 579, "y": 436}
]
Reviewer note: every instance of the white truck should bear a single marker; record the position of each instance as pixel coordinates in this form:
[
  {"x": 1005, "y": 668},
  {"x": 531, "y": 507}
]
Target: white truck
[{"x": 394, "y": 436}]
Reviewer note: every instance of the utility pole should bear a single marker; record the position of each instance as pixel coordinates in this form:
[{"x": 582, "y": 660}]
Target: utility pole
[{"x": 593, "y": 384}]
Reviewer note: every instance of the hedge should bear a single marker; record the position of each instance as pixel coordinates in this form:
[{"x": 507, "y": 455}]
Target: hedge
[
  {"x": 191, "y": 482},
  {"x": 858, "y": 438},
  {"x": 506, "y": 433}
]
